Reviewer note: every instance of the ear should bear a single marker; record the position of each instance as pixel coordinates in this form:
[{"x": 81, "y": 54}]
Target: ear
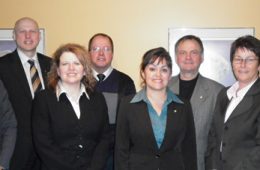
[{"x": 14, "y": 36}]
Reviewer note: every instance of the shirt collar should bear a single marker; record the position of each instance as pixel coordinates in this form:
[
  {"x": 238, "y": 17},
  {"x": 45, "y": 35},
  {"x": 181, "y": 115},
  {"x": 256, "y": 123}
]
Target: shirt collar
[
  {"x": 60, "y": 90},
  {"x": 24, "y": 59},
  {"x": 233, "y": 92},
  {"x": 141, "y": 95},
  {"x": 106, "y": 73}
]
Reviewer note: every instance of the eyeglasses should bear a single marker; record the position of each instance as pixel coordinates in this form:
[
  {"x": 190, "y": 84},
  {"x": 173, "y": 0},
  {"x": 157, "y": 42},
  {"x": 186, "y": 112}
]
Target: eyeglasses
[
  {"x": 249, "y": 60},
  {"x": 103, "y": 49}
]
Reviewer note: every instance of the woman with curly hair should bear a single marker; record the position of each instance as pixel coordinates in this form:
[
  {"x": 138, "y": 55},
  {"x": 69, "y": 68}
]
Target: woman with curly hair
[{"x": 70, "y": 120}]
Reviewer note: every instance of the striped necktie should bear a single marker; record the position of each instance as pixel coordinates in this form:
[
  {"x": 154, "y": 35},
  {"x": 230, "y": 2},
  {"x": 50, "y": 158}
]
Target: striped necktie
[{"x": 36, "y": 82}]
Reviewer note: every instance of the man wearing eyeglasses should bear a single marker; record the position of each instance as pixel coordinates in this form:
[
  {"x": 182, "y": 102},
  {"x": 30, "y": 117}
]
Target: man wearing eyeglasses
[
  {"x": 200, "y": 91},
  {"x": 111, "y": 82}
]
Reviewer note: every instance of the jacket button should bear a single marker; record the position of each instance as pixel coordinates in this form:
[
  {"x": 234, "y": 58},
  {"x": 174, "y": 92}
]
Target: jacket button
[
  {"x": 157, "y": 156},
  {"x": 226, "y": 128},
  {"x": 223, "y": 144}
]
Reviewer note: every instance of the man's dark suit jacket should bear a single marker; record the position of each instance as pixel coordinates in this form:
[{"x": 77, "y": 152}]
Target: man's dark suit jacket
[
  {"x": 15, "y": 81},
  {"x": 240, "y": 133},
  {"x": 136, "y": 147},
  {"x": 65, "y": 142},
  {"x": 7, "y": 128}
]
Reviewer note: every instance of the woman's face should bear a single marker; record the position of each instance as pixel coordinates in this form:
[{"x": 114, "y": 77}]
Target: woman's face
[
  {"x": 70, "y": 69},
  {"x": 157, "y": 75},
  {"x": 245, "y": 66}
]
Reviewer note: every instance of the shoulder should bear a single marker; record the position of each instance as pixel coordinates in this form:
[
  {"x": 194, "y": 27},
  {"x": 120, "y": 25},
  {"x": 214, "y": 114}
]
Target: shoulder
[
  {"x": 210, "y": 83},
  {"x": 45, "y": 94},
  {"x": 96, "y": 97},
  {"x": 122, "y": 75},
  {"x": 43, "y": 57},
  {"x": 174, "y": 80},
  {"x": 8, "y": 57}
]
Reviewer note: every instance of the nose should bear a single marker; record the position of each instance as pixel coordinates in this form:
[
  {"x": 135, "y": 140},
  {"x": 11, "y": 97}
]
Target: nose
[
  {"x": 71, "y": 66},
  {"x": 243, "y": 63},
  {"x": 101, "y": 52},
  {"x": 158, "y": 72},
  {"x": 27, "y": 34}
]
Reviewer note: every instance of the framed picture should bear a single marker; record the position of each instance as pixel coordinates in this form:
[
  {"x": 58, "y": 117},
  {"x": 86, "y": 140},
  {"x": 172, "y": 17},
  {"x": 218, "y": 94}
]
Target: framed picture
[
  {"x": 216, "y": 42},
  {"x": 7, "y": 44}
]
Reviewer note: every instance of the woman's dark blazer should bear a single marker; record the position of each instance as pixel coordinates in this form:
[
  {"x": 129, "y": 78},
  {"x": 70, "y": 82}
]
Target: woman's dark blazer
[
  {"x": 65, "y": 142},
  {"x": 240, "y": 133},
  {"x": 136, "y": 147}
]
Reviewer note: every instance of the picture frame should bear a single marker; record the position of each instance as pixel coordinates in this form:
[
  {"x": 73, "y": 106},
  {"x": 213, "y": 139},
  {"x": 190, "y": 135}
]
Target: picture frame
[
  {"x": 7, "y": 43},
  {"x": 216, "y": 42}
]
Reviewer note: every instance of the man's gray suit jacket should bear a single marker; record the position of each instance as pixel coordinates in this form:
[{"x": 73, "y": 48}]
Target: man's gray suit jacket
[{"x": 203, "y": 102}]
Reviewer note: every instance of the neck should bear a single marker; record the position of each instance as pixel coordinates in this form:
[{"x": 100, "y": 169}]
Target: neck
[
  {"x": 29, "y": 54},
  {"x": 101, "y": 70},
  {"x": 188, "y": 76},
  {"x": 156, "y": 96},
  {"x": 72, "y": 90}
]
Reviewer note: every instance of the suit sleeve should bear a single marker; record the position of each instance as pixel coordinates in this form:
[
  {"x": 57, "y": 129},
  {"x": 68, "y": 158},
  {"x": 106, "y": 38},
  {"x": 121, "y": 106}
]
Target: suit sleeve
[
  {"x": 102, "y": 149},
  {"x": 8, "y": 128},
  {"x": 50, "y": 153},
  {"x": 122, "y": 146},
  {"x": 189, "y": 142}
]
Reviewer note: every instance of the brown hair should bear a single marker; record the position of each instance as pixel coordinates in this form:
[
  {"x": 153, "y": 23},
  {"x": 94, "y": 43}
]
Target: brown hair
[
  {"x": 151, "y": 56},
  {"x": 88, "y": 80}
]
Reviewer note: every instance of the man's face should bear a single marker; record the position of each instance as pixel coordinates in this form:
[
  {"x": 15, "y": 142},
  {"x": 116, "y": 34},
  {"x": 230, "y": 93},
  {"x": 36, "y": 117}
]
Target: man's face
[
  {"x": 27, "y": 35},
  {"x": 189, "y": 56},
  {"x": 101, "y": 53}
]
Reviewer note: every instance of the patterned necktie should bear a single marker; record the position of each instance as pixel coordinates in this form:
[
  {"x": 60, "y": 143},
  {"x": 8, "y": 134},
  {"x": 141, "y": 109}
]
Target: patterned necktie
[
  {"x": 36, "y": 82},
  {"x": 101, "y": 77}
]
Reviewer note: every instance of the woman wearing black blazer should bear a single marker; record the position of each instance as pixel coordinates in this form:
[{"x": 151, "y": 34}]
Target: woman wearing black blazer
[
  {"x": 234, "y": 139},
  {"x": 70, "y": 121},
  {"x": 155, "y": 129}
]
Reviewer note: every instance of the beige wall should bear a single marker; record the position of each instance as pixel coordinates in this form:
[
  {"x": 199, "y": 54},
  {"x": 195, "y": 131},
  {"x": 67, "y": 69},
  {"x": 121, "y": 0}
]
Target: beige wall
[{"x": 135, "y": 25}]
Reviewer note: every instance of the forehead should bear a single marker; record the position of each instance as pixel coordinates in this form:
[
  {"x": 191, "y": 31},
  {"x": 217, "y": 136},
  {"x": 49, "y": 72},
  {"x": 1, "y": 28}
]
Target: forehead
[
  {"x": 101, "y": 41},
  {"x": 68, "y": 56},
  {"x": 189, "y": 45},
  {"x": 26, "y": 24},
  {"x": 244, "y": 51}
]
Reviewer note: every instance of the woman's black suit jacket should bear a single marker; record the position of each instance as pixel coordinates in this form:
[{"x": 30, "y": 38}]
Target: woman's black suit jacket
[
  {"x": 136, "y": 147},
  {"x": 240, "y": 134},
  {"x": 65, "y": 142}
]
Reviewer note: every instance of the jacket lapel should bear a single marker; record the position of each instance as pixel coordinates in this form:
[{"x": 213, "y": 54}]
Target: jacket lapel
[
  {"x": 19, "y": 74},
  {"x": 147, "y": 125},
  {"x": 171, "y": 124},
  {"x": 44, "y": 68},
  {"x": 246, "y": 102}
]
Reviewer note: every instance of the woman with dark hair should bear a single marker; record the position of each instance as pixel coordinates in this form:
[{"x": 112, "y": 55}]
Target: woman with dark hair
[
  {"x": 234, "y": 138},
  {"x": 155, "y": 129},
  {"x": 70, "y": 120}
]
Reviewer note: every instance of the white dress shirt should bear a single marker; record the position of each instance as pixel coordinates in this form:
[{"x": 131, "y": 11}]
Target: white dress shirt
[
  {"x": 235, "y": 96},
  {"x": 75, "y": 103},
  {"x": 106, "y": 73}
]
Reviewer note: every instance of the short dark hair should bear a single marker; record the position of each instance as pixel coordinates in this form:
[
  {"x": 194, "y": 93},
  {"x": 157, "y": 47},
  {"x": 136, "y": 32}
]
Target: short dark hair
[
  {"x": 151, "y": 56},
  {"x": 190, "y": 37},
  {"x": 247, "y": 42},
  {"x": 102, "y": 35}
]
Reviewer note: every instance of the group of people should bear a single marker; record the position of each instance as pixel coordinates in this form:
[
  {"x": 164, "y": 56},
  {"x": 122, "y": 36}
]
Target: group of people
[{"x": 74, "y": 111}]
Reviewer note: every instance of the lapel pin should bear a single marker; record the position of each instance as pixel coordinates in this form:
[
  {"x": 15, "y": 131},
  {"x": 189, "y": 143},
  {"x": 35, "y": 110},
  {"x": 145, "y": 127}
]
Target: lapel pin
[{"x": 175, "y": 111}]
